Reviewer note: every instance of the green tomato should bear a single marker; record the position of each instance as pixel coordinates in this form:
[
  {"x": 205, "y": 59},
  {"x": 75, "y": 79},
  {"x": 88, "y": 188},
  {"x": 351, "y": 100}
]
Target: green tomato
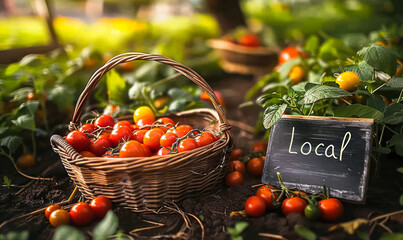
[{"x": 312, "y": 212}]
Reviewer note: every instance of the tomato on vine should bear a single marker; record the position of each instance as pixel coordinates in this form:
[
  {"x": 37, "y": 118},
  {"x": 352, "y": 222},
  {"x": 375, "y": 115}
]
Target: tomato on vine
[
  {"x": 81, "y": 213},
  {"x": 132, "y": 148},
  {"x": 165, "y": 121},
  {"x": 255, "y": 166},
  {"x": 187, "y": 145},
  {"x": 290, "y": 53},
  {"x": 259, "y": 147},
  {"x": 122, "y": 123},
  {"x": 163, "y": 151},
  {"x": 268, "y": 196},
  {"x": 78, "y": 140},
  {"x": 104, "y": 121},
  {"x": 236, "y": 154},
  {"x": 181, "y": 130},
  {"x": 152, "y": 138},
  {"x": 100, "y": 146},
  {"x": 255, "y": 206},
  {"x": 293, "y": 205},
  {"x": 59, "y": 217},
  {"x": 139, "y": 135},
  {"x": 121, "y": 134},
  {"x": 236, "y": 166},
  {"x": 168, "y": 139},
  {"x": 204, "y": 139},
  {"x": 348, "y": 80},
  {"x": 331, "y": 209},
  {"x": 143, "y": 112},
  {"x": 87, "y": 128},
  {"x": 312, "y": 212},
  {"x": 100, "y": 206},
  {"x": 50, "y": 209},
  {"x": 234, "y": 178}
]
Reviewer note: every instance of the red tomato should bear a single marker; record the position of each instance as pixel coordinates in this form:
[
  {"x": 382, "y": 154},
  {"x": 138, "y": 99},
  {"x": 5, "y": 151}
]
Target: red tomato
[
  {"x": 132, "y": 148},
  {"x": 236, "y": 166},
  {"x": 236, "y": 154},
  {"x": 293, "y": 205},
  {"x": 266, "y": 193},
  {"x": 122, "y": 123},
  {"x": 147, "y": 151},
  {"x": 165, "y": 121},
  {"x": 87, "y": 128},
  {"x": 59, "y": 217},
  {"x": 152, "y": 138},
  {"x": 100, "y": 206},
  {"x": 135, "y": 127},
  {"x": 78, "y": 140},
  {"x": 106, "y": 132},
  {"x": 87, "y": 154},
  {"x": 255, "y": 166},
  {"x": 331, "y": 209},
  {"x": 100, "y": 146},
  {"x": 287, "y": 54},
  {"x": 234, "y": 178},
  {"x": 162, "y": 151},
  {"x": 168, "y": 139},
  {"x": 121, "y": 134},
  {"x": 204, "y": 139},
  {"x": 81, "y": 213},
  {"x": 249, "y": 40},
  {"x": 104, "y": 121},
  {"x": 181, "y": 130},
  {"x": 187, "y": 145},
  {"x": 144, "y": 122},
  {"x": 50, "y": 209},
  {"x": 255, "y": 206},
  {"x": 259, "y": 147},
  {"x": 143, "y": 112},
  {"x": 139, "y": 135}
]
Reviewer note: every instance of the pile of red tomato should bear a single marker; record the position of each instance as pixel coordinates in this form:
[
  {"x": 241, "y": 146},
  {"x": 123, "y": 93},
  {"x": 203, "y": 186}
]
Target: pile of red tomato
[
  {"x": 247, "y": 40},
  {"x": 146, "y": 137},
  {"x": 80, "y": 214}
]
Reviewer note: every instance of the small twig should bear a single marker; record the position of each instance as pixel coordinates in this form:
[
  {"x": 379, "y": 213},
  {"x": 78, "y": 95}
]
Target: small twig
[
  {"x": 25, "y": 187},
  {"x": 274, "y": 236},
  {"x": 242, "y": 126},
  {"x": 27, "y": 176},
  {"x": 200, "y": 223},
  {"x": 257, "y": 185},
  {"x": 345, "y": 101},
  {"x": 386, "y": 215}
]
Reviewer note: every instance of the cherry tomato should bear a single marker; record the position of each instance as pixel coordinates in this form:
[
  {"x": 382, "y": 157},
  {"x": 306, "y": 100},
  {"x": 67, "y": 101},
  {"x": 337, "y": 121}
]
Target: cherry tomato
[
  {"x": 50, "y": 209},
  {"x": 207, "y": 99},
  {"x": 81, "y": 213},
  {"x": 290, "y": 53},
  {"x": 331, "y": 209},
  {"x": 100, "y": 146},
  {"x": 122, "y": 123},
  {"x": 255, "y": 166},
  {"x": 348, "y": 80},
  {"x": 187, "y": 145},
  {"x": 255, "y": 206},
  {"x": 132, "y": 148},
  {"x": 236, "y": 166},
  {"x": 122, "y": 134},
  {"x": 259, "y": 147},
  {"x": 87, "y": 154},
  {"x": 162, "y": 151},
  {"x": 168, "y": 139},
  {"x": 147, "y": 151},
  {"x": 181, "y": 130},
  {"x": 249, "y": 40},
  {"x": 59, "y": 217},
  {"x": 144, "y": 122},
  {"x": 236, "y": 154},
  {"x": 104, "y": 121},
  {"x": 139, "y": 135},
  {"x": 312, "y": 212},
  {"x": 78, "y": 140},
  {"x": 143, "y": 112},
  {"x": 26, "y": 161},
  {"x": 106, "y": 132},
  {"x": 293, "y": 205},
  {"x": 205, "y": 139},
  {"x": 234, "y": 178},
  {"x": 100, "y": 206},
  {"x": 165, "y": 121},
  {"x": 268, "y": 196},
  {"x": 297, "y": 74},
  {"x": 87, "y": 128},
  {"x": 152, "y": 138}
]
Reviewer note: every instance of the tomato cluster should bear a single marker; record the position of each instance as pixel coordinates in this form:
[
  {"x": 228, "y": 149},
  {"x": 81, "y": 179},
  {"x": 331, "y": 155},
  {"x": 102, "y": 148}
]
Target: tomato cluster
[
  {"x": 147, "y": 137},
  {"x": 247, "y": 39},
  {"x": 80, "y": 214}
]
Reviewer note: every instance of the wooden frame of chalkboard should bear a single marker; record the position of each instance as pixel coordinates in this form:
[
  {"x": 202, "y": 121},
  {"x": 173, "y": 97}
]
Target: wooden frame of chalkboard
[{"x": 310, "y": 152}]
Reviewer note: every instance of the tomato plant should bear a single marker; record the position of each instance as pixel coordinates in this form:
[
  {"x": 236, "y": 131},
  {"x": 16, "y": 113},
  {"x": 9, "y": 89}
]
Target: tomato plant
[
  {"x": 50, "y": 209},
  {"x": 236, "y": 166},
  {"x": 234, "y": 178},
  {"x": 293, "y": 205},
  {"x": 104, "y": 121},
  {"x": 100, "y": 146},
  {"x": 132, "y": 148},
  {"x": 81, "y": 214},
  {"x": 255, "y": 166},
  {"x": 26, "y": 161},
  {"x": 143, "y": 112},
  {"x": 152, "y": 138},
  {"x": 266, "y": 193},
  {"x": 78, "y": 140},
  {"x": 59, "y": 217},
  {"x": 187, "y": 145},
  {"x": 204, "y": 139},
  {"x": 331, "y": 209},
  {"x": 348, "y": 80},
  {"x": 100, "y": 206},
  {"x": 255, "y": 206}
]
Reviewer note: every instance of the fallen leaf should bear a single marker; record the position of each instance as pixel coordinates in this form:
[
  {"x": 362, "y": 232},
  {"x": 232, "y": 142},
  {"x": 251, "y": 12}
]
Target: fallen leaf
[{"x": 351, "y": 226}]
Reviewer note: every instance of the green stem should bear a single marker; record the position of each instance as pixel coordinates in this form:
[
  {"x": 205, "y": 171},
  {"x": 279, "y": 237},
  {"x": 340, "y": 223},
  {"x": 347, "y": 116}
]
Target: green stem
[
  {"x": 164, "y": 80},
  {"x": 400, "y": 96},
  {"x": 380, "y": 138},
  {"x": 148, "y": 100},
  {"x": 378, "y": 88},
  {"x": 310, "y": 110}
]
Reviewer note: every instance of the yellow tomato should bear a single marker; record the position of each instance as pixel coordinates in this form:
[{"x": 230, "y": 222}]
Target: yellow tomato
[
  {"x": 143, "y": 112},
  {"x": 348, "y": 80},
  {"x": 26, "y": 161},
  {"x": 297, "y": 74}
]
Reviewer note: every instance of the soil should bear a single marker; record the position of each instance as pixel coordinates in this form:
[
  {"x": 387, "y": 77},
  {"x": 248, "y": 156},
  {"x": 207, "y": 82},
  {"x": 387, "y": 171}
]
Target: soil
[{"x": 213, "y": 211}]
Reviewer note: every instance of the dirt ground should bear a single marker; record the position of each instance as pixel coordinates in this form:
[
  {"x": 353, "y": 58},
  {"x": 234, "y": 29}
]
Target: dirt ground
[{"x": 213, "y": 211}]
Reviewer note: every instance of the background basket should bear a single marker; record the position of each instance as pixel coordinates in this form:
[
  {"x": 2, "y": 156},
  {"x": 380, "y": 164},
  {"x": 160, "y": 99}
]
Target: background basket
[
  {"x": 245, "y": 60},
  {"x": 146, "y": 183}
]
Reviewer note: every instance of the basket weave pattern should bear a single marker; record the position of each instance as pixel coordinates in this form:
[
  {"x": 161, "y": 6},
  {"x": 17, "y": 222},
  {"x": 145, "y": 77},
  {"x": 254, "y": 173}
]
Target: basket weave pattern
[{"x": 145, "y": 183}]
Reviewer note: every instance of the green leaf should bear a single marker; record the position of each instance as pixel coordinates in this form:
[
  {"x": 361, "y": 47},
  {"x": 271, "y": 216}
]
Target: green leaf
[
  {"x": 392, "y": 236},
  {"x": 382, "y": 150},
  {"x": 334, "y": 49},
  {"x": 3, "y": 130},
  {"x": 358, "y": 110},
  {"x": 11, "y": 142},
  {"x": 363, "y": 70},
  {"x": 106, "y": 227},
  {"x": 312, "y": 44},
  {"x": 6, "y": 181},
  {"x": 286, "y": 67},
  {"x": 24, "y": 235},
  {"x": 116, "y": 87},
  {"x": 62, "y": 96},
  {"x": 68, "y": 233},
  {"x": 147, "y": 72},
  {"x": 401, "y": 200},
  {"x": 376, "y": 101},
  {"x": 395, "y": 82},
  {"x": 136, "y": 91},
  {"x": 21, "y": 94},
  {"x": 399, "y": 150},
  {"x": 272, "y": 114},
  {"x": 381, "y": 58},
  {"x": 320, "y": 92},
  {"x": 263, "y": 81},
  {"x": 363, "y": 235},
  {"x": 400, "y": 170},
  {"x": 26, "y": 115},
  {"x": 393, "y": 114},
  {"x": 304, "y": 232},
  {"x": 241, "y": 226},
  {"x": 396, "y": 139}
]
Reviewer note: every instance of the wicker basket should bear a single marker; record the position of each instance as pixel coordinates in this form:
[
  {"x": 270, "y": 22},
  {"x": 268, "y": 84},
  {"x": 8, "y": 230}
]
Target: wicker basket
[
  {"x": 245, "y": 60},
  {"x": 146, "y": 183}
]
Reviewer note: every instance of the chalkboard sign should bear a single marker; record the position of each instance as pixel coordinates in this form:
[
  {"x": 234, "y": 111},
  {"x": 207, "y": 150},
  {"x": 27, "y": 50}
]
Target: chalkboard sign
[{"x": 310, "y": 152}]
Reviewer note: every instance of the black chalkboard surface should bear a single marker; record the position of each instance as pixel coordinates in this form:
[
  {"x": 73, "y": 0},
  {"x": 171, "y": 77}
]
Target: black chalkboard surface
[{"x": 310, "y": 152}]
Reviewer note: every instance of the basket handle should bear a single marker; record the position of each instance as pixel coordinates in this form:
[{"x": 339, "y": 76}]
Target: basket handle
[{"x": 132, "y": 56}]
